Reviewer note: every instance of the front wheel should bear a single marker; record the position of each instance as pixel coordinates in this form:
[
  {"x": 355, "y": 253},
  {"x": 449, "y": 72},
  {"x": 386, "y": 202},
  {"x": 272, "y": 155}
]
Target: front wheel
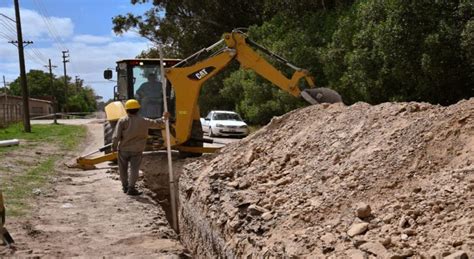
[
  {"x": 211, "y": 134},
  {"x": 109, "y": 127}
]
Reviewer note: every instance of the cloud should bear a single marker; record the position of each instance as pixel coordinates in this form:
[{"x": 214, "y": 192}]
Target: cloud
[
  {"x": 128, "y": 34},
  {"x": 91, "y": 39},
  {"x": 37, "y": 27},
  {"x": 94, "y": 59},
  {"x": 89, "y": 54},
  {"x": 8, "y": 52}
]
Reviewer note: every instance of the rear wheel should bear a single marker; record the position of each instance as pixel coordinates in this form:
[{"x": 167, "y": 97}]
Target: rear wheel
[
  {"x": 196, "y": 135},
  {"x": 210, "y": 132},
  {"x": 109, "y": 127}
]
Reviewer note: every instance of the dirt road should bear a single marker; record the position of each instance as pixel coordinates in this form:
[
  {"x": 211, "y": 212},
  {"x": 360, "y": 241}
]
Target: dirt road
[{"x": 85, "y": 213}]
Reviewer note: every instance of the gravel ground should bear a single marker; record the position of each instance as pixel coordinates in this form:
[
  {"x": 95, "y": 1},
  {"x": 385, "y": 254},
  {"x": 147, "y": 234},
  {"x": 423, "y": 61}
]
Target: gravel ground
[{"x": 393, "y": 180}]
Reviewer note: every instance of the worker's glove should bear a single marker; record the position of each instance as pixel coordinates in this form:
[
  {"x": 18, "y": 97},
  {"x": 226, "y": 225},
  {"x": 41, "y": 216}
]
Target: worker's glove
[{"x": 166, "y": 116}]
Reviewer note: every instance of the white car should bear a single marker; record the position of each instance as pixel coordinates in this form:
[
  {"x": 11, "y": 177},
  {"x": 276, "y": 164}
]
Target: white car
[{"x": 224, "y": 123}]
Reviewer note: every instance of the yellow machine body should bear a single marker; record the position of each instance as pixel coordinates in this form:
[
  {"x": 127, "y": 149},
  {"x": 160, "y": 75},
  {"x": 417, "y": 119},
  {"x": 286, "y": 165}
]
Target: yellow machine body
[{"x": 186, "y": 82}]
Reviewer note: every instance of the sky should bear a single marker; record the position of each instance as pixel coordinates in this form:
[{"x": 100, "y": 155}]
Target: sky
[{"x": 84, "y": 27}]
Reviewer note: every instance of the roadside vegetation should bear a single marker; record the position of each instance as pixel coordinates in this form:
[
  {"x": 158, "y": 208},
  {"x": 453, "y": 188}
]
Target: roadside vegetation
[
  {"x": 367, "y": 50},
  {"x": 25, "y": 170},
  {"x": 81, "y": 98}
]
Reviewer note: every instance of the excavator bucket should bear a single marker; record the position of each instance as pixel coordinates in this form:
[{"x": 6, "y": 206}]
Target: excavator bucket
[
  {"x": 88, "y": 162},
  {"x": 321, "y": 95},
  {"x": 6, "y": 237}
]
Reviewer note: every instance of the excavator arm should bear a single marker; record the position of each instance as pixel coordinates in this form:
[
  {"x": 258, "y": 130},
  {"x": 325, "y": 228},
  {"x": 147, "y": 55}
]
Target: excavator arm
[
  {"x": 251, "y": 60},
  {"x": 188, "y": 80}
]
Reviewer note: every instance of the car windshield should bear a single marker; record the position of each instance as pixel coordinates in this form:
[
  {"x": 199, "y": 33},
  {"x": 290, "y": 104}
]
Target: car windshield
[{"x": 226, "y": 117}]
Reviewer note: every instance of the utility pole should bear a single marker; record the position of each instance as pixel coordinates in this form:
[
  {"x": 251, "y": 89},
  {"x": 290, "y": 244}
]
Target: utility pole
[
  {"x": 53, "y": 89},
  {"x": 5, "y": 85},
  {"x": 77, "y": 84},
  {"x": 24, "y": 86},
  {"x": 65, "y": 55},
  {"x": 6, "y": 100}
]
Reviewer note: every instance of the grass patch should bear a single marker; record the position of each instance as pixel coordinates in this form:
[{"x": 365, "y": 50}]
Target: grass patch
[
  {"x": 20, "y": 184},
  {"x": 67, "y": 136},
  {"x": 20, "y": 188}
]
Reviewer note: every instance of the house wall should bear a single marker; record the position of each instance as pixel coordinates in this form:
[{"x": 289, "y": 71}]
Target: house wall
[{"x": 11, "y": 109}]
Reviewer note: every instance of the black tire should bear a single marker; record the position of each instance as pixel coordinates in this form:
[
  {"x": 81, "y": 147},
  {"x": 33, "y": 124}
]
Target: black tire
[
  {"x": 210, "y": 132},
  {"x": 196, "y": 134},
  {"x": 109, "y": 127}
]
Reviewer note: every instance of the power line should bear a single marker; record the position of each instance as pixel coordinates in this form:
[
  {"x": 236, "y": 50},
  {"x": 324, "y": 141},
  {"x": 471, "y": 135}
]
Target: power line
[
  {"x": 5, "y": 16},
  {"x": 6, "y": 21},
  {"x": 39, "y": 54},
  {"x": 8, "y": 26},
  {"x": 99, "y": 82},
  {"x": 53, "y": 32},
  {"x": 33, "y": 58},
  {"x": 49, "y": 25},
  {"x": 6, "y": 36}
]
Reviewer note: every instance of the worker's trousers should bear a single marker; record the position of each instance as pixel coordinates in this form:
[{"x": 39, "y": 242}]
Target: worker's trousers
[{"x": 124, "y": 158}]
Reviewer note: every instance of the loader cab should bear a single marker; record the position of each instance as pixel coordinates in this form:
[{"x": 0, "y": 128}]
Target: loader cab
[{"x": 141, "y": 79}]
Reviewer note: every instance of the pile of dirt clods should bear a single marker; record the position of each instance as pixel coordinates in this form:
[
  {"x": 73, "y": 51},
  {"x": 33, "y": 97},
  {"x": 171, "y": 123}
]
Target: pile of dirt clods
[{"x": 394, "y": 180}]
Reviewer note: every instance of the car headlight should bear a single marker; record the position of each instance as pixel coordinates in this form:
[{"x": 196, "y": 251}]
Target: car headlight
[
  {"x": 219, "y": 125},
  {"x": 243, "y": 127}
]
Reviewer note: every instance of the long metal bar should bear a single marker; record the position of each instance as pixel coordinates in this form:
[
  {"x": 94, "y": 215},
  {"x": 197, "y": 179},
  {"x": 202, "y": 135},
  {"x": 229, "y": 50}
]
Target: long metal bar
[
  {"x": 268, "y": 52},
  {"x": 173, "y": 201},
  {"x": 198, "y": 53}
]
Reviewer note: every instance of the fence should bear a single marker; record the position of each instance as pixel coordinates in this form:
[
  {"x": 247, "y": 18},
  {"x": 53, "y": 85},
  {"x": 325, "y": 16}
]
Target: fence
[{"x": 10, "y": 113}]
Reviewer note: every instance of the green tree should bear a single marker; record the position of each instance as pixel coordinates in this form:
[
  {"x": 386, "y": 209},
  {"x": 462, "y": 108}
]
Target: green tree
[
  {"x": 255, "y": 98},
  {"x": 82, "y": 101},
  {"x": 402, "y": 51},
  {"x": 39, "y": 84},
  {"x": 80, "y": 98},
  {"x": 186, "y": 25},
  {"x": 367, "y": 50}
]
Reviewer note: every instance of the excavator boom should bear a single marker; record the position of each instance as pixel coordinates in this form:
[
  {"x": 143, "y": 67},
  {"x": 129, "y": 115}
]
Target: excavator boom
[{"x": 187, "y": 81}]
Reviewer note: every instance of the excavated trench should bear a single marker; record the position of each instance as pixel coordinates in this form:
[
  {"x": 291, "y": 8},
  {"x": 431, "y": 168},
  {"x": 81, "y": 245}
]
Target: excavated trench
[{"x": 195, "y": 233}]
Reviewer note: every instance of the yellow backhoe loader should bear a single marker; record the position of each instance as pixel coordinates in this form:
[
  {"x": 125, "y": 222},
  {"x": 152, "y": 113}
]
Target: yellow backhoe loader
[{"x": 185, "y": 79}]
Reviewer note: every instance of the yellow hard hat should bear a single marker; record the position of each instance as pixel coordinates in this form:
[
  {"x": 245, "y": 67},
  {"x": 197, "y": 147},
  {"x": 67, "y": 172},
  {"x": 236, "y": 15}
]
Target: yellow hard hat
[{"x": 132, "y": 104}]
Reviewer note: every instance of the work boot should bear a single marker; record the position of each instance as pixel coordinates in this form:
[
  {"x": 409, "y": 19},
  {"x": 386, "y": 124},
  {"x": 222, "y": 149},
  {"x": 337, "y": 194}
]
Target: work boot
[{"x": 134, "y": 192}]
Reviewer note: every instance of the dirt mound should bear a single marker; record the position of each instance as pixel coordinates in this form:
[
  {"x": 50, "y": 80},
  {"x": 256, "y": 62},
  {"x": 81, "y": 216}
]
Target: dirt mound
[{"x": 396, "y": 179}]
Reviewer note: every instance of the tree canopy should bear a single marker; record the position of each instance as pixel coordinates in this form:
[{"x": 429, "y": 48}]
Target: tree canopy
[
  {"x": 81, "y": 98},
  {"x": 372, "y": 51}
]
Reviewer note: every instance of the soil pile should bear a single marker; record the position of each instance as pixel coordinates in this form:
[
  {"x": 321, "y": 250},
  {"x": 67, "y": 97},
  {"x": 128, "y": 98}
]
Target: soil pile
[{"x": 392, "y": 180}]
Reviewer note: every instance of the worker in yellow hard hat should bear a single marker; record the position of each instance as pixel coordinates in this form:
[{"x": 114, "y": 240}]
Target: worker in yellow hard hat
[{"x": 129, "y": 140}]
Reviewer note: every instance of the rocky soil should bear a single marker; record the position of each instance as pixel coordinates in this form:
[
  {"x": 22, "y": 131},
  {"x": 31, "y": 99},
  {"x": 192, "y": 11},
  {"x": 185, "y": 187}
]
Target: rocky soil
[{"x": 393, "y": 180}]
